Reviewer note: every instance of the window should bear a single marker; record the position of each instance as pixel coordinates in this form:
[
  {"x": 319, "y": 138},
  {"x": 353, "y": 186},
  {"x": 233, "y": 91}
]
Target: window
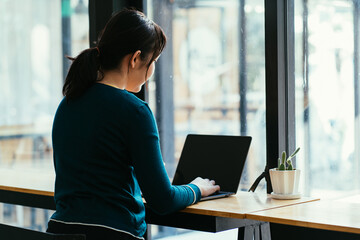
[
  {"x": 211, "y": 77},
  {"x": 34, "y": 38},
  {"x": 327, "y": 95}
]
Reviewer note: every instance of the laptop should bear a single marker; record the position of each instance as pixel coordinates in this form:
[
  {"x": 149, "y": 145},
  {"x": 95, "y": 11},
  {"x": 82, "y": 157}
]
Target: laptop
[{"x": 216, "y": 157}]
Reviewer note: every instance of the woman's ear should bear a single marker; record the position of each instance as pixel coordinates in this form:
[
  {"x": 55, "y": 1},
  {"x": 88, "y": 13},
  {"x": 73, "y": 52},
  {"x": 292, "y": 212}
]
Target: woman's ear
[{"x": 135, "y": 59}]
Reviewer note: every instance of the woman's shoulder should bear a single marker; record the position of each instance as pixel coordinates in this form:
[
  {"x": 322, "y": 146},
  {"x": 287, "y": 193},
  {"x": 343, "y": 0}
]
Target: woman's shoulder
[{"x": 118, "y": 98}]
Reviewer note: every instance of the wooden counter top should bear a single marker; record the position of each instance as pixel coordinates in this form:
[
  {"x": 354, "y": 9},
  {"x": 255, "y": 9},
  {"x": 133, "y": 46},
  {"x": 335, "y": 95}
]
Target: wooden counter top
[
  {"x": 336, "y": 215},
  {"x": 240, "y": 204},
  {"x": 41, "y": 182}
]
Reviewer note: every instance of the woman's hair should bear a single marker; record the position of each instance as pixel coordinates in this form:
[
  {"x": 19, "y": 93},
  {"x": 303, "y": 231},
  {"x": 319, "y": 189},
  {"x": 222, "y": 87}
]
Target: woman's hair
[{"x": 126, "y": 32}]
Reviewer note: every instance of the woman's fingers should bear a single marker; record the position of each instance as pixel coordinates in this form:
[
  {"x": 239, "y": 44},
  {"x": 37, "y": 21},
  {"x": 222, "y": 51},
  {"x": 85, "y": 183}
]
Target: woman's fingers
[
  {"x": 209, "y": 181},
  {"x": 206, "y": 186}
]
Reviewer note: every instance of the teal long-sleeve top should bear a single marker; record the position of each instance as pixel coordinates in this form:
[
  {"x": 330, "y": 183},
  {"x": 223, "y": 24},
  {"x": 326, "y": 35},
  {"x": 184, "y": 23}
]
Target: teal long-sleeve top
[{"x": 106, "y": 152}]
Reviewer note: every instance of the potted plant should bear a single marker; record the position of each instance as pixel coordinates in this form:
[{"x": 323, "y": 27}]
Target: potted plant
[{"x": 285, "y": 178}]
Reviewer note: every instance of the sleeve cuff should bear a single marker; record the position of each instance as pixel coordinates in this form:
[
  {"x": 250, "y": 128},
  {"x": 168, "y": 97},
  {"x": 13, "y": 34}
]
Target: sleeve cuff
[{"x": 196, "y": 191}]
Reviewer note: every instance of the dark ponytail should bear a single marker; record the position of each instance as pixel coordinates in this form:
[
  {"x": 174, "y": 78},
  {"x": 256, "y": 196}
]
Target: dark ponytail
[
  {"x": 126, "y": 32},
  {"x": 82, "y": 74}
]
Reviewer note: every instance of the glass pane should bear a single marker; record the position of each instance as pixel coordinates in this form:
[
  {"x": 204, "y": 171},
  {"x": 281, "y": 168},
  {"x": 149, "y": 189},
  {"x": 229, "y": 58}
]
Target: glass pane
[
  {"x": 35, "y": 36},
  {"x": 211, "y": 77},
  {"x": 327, "y": 127}
]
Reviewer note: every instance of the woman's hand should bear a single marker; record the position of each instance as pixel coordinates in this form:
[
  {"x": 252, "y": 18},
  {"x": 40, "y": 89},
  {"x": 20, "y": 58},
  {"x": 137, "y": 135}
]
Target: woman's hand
[{"x": 207, "y": 187}]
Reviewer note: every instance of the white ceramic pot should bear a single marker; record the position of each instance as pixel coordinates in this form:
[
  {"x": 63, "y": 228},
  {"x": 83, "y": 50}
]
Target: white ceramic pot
[{"x": 285, "y": 182}]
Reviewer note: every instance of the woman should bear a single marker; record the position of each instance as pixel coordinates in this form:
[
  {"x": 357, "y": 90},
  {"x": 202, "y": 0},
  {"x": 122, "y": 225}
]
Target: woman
[{"x": 105, "y": 140}]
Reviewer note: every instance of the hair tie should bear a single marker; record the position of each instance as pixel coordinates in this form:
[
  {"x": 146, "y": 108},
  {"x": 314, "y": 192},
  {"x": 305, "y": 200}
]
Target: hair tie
[{"x": 97, "y": 49}]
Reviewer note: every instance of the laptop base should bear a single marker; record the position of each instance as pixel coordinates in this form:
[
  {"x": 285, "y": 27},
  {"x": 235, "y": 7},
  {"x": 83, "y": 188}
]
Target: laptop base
[{"x": 217, "y": 195}]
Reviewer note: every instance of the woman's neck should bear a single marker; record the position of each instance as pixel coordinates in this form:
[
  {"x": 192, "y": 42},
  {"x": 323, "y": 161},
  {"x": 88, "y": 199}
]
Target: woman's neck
[{"x": 114, "y": 79}]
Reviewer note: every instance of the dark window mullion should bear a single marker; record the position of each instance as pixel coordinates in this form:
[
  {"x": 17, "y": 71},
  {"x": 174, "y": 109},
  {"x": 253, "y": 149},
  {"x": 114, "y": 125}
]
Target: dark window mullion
[
  {"x": 280, "y": 131},
  {"x": 100, "y": 12},
  {"x": 290, "y": 78}
]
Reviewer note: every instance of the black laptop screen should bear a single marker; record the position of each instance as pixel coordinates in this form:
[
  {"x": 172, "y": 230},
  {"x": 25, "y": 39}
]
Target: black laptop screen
[{"x": 217, "y": 157}]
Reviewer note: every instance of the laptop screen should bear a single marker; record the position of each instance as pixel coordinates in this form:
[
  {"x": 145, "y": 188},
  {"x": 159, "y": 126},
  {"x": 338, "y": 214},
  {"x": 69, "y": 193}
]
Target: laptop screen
[{"x": 216, "y": 157}]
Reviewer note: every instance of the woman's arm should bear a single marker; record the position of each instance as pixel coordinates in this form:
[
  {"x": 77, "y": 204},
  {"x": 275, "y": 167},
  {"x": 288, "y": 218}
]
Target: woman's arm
[{"x": 150, "y": 172}]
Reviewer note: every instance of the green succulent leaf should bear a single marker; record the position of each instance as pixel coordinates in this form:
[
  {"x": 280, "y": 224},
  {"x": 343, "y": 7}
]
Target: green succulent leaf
[
  {"x": 282, "y": 167},
  {"x": 295, "y": 152},
  {"x": 283, "y": 157},
  {"x": 290, "y": 166},
  {"x": 286, "y": 164}
]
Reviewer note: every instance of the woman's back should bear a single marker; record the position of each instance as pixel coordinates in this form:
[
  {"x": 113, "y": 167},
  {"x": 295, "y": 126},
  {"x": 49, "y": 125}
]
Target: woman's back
[{"x": 95, "y": 179}]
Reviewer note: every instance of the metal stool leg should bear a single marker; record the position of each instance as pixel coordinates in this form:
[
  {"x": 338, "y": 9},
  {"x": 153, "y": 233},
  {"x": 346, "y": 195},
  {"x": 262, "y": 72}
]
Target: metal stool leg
[
  {"x": 255, "y": 231},
  {"x": 257, "y": 235},
  {"x": 249, "y": 232},
  {"x": 147, "y": 235},
  {"x": 265, "y": 231}
]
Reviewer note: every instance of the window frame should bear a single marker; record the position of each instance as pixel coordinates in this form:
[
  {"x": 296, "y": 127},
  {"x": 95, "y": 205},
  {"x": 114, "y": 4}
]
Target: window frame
[{"x": 280, "y": 84}]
